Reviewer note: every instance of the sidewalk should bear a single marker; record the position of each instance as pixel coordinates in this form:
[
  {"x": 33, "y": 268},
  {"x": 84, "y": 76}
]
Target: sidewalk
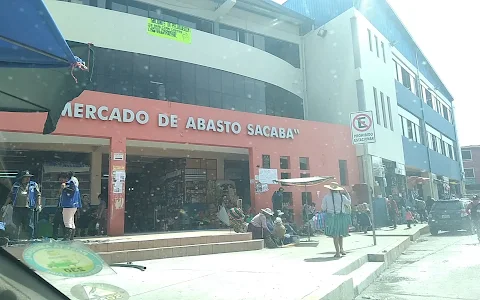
[{"x": 284, "y": 273}]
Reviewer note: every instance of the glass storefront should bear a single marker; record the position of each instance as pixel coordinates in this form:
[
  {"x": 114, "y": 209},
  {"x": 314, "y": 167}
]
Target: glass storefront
[{"x": 132, "y": 74}]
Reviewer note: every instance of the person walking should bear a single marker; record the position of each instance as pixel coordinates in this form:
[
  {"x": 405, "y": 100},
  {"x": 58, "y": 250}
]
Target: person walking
[
  {"x": 25, "y": 198},
  {"x": 58, "y": 218},
  {"x": 421, "y": 210},
  {"x": 337, "y": 221},
  {"x": 70, "y": 202},
  {"x": 392, "y": 211}
]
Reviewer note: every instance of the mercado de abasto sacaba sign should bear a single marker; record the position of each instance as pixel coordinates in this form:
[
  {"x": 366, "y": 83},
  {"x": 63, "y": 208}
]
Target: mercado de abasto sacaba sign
[{"x": 104, "y": 113}]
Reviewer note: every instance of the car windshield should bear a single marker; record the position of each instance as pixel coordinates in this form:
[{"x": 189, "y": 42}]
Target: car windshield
[
  {"x": 448, "y": 205},
  {"x": 234, "y": 149}
]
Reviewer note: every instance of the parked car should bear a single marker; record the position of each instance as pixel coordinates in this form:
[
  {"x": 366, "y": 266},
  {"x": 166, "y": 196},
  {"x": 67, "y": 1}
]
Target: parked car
[{"x": 450, "y": 215}]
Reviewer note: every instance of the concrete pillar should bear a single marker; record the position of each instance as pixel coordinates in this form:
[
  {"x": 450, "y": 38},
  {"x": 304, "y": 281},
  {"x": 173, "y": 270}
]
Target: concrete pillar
[
  {"x": 116, "y": 196},
  {"x": 95, "y": 176},
  {"x": 220, "y": 168}
]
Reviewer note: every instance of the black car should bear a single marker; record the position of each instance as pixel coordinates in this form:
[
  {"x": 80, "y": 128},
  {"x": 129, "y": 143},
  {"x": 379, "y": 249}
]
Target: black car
[{"x": 450, "y": 215}]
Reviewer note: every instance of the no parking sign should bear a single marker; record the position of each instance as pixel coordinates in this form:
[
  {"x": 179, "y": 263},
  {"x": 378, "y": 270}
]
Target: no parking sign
[{"x": 363, "y": 130}]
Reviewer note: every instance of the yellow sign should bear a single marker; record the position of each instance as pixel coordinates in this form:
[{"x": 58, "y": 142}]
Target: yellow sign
[{"x": 169, "y": 30}]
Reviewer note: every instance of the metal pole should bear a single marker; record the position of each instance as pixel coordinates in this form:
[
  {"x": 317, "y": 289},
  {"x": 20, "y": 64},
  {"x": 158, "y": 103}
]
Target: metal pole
[
  {"x": 306, "y": 202},
  {"x": 367, "y": 168}
]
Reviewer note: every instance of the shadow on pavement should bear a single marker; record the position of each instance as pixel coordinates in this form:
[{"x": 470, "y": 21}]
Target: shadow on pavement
[{"x": 321, "y": 259}]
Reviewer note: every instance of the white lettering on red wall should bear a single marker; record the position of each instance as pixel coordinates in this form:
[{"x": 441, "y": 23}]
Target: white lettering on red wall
[{"x": 104, "y": 113}]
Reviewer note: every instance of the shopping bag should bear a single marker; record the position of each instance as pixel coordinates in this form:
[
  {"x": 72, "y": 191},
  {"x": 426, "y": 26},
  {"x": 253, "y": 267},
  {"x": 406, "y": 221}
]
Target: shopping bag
[{"x": 223, "y": 216}]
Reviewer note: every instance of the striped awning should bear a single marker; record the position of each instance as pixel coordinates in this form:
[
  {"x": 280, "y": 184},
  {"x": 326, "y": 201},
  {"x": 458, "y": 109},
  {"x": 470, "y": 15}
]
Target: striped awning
[{"x": 306, "y": 181}]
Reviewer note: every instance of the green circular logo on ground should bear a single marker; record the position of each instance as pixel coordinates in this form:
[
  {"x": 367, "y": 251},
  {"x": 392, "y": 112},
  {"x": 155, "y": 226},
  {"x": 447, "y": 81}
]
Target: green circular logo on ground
[
  {"x": 98, "y": 291},
  {"x": 62, "y": 259}
]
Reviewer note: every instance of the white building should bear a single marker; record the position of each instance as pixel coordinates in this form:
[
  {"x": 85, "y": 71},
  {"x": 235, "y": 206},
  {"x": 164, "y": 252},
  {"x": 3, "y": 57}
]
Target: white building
[{"x": 361, "y": 57}]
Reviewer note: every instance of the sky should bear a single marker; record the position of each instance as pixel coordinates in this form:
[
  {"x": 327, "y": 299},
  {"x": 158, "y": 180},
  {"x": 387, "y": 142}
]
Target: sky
[{"x": 447, "y": 33}]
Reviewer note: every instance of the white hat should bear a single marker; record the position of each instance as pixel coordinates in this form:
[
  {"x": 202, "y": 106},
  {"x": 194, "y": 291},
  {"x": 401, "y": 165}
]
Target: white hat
[
  {"x": 334, "y": 186},
  {"x": 267, "y": 211}
]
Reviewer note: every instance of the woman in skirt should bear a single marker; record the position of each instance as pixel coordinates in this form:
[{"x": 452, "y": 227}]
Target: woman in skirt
[{"x": 337, "y": 221}]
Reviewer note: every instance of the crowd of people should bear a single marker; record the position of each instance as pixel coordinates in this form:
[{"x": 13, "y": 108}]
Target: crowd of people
[{"x": 74, "y": 215}]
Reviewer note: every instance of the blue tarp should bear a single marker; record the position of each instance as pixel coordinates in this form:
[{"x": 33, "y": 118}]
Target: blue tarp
[{"x": 30, "y": 38}]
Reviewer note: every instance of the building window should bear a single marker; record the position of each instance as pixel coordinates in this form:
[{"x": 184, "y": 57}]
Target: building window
[
  {"x": 397, "y": 71},
  {"x": 376, "y": 46},
  {"x": 370, "y": 39},
  {"x": 402, "y": 120},
  {"x": 438, "y": 104},
  {"x": 428, "y": 98},
  {"x": 377, "y": 111},
  {"x": 229, "y": 33},
  {"x": 450, "y": 151},
  {"x": 384, "y": 111},
  {"x": 410, "y": 129},
  {"x": 443, "y": 147},
  {"x": 285, "y": 175},
  {"x": 304, "y": 175},
  {"x": 306, "y": 197},
  {"x": 284, "y": 162},
  {"x": 304, "y": 163},
  {"x": 157, "y": 78},
  {"x": 406, "y": 81},
  {"x": 383, "y": 52},
  {"x": 434, "y": 142},
  {"x": 390, "y": 113},
  {"x": 415, "y": 135},
  {"x": 469, "y": 173},
  {"x": 266, "y": 161},
  {"x": 342, "y": 166},
  {"x": 445, "y": 112},
  {"x": 466, "y": 154}
]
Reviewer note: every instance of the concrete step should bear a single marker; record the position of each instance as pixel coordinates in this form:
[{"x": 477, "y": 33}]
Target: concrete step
[
  {"x": 116, "y": 245},
  {"x": 180, "y": 251},
  {"x": 365, "y": 275}
]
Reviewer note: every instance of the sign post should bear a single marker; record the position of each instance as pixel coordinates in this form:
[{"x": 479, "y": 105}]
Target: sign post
[{"x": 363, "y": 133}]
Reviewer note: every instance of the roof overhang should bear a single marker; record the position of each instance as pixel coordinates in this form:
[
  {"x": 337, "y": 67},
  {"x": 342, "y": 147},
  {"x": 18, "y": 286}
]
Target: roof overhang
[{"x": 269, "y": 8}]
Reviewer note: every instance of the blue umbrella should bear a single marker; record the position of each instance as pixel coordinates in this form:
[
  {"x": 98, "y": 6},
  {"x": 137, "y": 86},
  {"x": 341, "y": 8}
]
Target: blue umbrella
[{"x": 38, "y": 70}]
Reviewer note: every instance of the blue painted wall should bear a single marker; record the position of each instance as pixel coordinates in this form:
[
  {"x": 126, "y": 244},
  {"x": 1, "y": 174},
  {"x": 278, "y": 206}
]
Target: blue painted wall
[
  {"x": 382, "y": 16},
  {"x": 445, "y": 166},
  {"x": 438, "y": 122},
  {"x": 408, "y": 100},
  {"x": 415, "y": 154}
]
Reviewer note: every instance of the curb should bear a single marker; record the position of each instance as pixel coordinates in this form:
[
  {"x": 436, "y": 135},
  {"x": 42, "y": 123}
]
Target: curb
[{"x": 357, "y": 276}]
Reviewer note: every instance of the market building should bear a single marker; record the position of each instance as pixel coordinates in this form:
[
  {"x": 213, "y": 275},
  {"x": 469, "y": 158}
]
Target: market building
[
  {"x": 171, "y": 116},
  {"x": 365, "y": 59}
]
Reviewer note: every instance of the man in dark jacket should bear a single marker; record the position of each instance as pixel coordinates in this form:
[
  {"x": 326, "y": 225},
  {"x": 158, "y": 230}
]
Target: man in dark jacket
[
  {"x": 277, "y": 200},
  {"x": 26, "y": 200}
]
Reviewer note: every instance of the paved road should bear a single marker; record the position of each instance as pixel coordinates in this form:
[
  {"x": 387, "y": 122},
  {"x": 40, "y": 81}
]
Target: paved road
[{"x": 434, "y": 268}]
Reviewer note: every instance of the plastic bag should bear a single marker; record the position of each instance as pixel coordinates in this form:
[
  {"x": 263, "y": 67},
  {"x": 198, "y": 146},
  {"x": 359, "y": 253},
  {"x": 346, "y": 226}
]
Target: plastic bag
[{"x": 223, "y": 216}]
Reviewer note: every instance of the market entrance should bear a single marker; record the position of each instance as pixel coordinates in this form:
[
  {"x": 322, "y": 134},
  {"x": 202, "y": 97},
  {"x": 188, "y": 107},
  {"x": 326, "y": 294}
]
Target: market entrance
[{"x": 181, "y": 190}]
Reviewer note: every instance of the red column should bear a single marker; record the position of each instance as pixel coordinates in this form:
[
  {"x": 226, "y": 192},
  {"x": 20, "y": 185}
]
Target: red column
[
  {"x": 116, "y": 186},
  {"x": 253, "y": 170}
]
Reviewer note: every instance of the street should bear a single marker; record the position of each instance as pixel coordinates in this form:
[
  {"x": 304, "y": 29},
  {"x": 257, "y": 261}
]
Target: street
[{"x": 440, "y": 267}]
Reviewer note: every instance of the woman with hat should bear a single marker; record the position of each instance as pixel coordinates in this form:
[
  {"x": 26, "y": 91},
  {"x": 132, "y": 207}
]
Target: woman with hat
[
  {"x": 337, "y": 221},
  {"x": 25, "y": 197},
  {"x": 258, "y": 225}
]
